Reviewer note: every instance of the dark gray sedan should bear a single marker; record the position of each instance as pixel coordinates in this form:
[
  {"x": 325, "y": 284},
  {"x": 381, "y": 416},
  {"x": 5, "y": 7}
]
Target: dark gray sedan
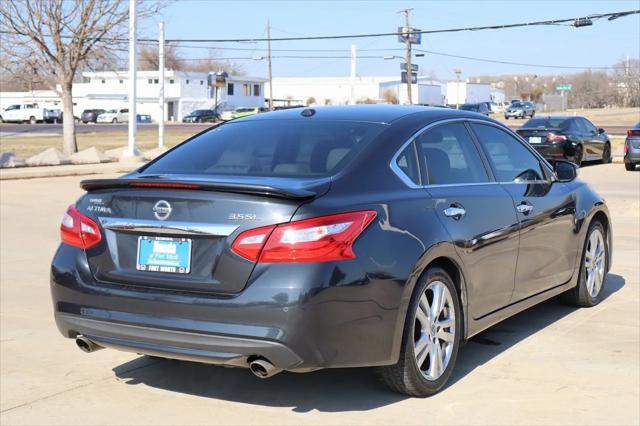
[{"x": 330, "y": 237}]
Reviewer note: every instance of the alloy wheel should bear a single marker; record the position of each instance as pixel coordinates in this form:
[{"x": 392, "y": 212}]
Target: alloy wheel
[
  {"x": 594, "y": 262},
  {"x": 434, "y": 330}
]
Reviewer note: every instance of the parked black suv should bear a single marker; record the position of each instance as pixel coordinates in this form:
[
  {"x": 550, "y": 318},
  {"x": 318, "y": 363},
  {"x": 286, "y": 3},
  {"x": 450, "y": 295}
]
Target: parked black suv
[{"x": 90, "y": 115}]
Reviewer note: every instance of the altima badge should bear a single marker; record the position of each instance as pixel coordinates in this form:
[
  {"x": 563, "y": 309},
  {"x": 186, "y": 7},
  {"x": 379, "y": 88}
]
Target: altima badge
[{"x": 162, "y": 210}]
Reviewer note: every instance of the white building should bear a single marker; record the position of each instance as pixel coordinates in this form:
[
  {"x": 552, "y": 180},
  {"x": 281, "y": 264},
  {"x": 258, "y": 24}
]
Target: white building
[
  {"x": 184, "y": 92},
  {"x": 344, "y": 90}
]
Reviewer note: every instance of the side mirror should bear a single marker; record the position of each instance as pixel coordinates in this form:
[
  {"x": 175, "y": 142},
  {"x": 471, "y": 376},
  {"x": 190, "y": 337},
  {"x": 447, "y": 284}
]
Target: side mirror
[
  {"x": 600, "y": 130},
  {"x": 565, "y": 171}
]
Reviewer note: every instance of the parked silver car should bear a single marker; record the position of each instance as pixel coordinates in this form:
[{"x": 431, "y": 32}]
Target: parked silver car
[
  {"x": 632, "y": 148},
  {"x": 520, "y": 110}
]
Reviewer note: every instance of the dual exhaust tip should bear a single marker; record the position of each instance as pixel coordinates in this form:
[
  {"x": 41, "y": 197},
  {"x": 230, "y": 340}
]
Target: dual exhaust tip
[
  {"x": 259, "y": 367},
  {"x": 87, "y": 345}
]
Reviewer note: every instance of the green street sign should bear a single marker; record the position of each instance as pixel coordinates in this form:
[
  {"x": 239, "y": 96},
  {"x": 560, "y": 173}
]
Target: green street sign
[{"x": 563, "y": 88}]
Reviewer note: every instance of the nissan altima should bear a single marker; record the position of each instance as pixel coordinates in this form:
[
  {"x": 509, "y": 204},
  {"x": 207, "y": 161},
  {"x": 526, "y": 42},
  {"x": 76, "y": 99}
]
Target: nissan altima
[{"x": 302, "y": 239}]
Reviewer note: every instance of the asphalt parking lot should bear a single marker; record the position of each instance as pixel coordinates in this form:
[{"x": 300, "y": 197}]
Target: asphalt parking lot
[{"x": 552, "y": 364}]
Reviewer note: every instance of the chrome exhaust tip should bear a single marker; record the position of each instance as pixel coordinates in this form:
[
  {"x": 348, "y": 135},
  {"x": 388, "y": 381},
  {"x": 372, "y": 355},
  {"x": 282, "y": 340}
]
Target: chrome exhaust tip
[
  {"x": 263, "y": 369},
  {"x": 87, "y": 345}
]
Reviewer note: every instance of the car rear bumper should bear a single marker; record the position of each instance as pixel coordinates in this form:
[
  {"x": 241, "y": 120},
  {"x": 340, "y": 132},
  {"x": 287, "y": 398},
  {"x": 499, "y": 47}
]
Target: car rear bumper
[
  {"x": 552, "y": 151},
  {"x": 177, "y": 344},
  {"x": 299, "y": 318}
]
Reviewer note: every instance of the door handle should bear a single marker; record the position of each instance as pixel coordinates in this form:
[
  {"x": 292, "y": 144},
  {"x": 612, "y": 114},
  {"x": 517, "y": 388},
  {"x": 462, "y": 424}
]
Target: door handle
[
  {"x": 455, "y": 212},
  {"x": 524, "y": 208}
]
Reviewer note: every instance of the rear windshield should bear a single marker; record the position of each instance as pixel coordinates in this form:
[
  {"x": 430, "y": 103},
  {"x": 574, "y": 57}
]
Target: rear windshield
[
  {"x": 290, "y": 148},
  {"x": 547, "y": 123}
]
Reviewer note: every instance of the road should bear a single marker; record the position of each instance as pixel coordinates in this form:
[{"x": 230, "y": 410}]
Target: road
[
  {"x": 9, "y": 129},
  {"x": 552, "y": 364}
]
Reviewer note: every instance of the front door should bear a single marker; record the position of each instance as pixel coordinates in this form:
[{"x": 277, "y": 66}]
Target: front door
[
  {"x": 545, "y": 211},
  {"x": 477, "y": 213}
]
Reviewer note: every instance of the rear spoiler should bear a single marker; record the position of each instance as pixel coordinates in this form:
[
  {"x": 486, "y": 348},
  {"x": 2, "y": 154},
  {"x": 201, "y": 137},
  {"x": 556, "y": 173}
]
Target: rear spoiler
[{"x": 242, "y": 188}]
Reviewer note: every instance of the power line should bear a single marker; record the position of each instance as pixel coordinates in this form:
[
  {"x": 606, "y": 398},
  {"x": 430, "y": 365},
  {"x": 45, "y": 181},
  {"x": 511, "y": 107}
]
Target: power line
[
  {"x": 610, "y": 16},
  {"x": 255, "y": 58},
  {"x": 496, "y": 61}
]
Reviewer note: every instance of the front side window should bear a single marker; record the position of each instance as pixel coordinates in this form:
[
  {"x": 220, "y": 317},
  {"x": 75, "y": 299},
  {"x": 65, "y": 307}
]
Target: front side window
[
  {"x": 450, "y": 156},
  {"x": 511, "y": 161}
]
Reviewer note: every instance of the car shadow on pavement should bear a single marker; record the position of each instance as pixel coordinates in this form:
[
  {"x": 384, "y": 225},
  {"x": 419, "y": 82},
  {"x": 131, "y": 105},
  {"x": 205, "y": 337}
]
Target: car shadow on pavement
[{"x": 333, "y": 390}]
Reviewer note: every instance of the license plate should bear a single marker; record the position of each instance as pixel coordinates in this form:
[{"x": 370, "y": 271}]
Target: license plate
[
  {"x": 160, "y": 254},
  {"x": 535, "y": 139}
]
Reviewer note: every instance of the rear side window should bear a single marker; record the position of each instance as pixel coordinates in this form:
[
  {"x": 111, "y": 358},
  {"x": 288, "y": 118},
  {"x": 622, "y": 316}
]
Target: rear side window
[
  {"x": 511, "y": 161},
  {"x": 288, "y": 148},
  {"x": 548, "y": 123},
  {"x": 451, "y": 156},
  {"x": 408, "y": 164}
]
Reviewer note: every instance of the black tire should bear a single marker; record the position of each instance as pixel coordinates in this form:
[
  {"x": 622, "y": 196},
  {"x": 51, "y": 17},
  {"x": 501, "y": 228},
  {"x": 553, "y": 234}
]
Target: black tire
[
  {"x": 405, "y": 376},
  {"x": 114, "y": 121},
  {"x": 630, "y": 166},
  {"x": 606, "y": 153},
  {"x": 579, "y": 295},
  {"x": 533, "y": 113},
  {"x": 32, "y": 120},
  {"x": 577, "y": 156},
  {"x": 506, "y": 118}
]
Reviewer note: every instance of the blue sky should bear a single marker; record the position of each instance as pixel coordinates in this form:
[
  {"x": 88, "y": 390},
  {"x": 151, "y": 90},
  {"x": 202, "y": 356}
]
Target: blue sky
[{"x": 602, "y": 44}]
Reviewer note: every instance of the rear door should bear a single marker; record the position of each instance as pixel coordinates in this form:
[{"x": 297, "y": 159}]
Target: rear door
[
  {"x": 593, "y": 143},
  {"x": 545, "y": 210},
  {"x": 478, "y": 214}
]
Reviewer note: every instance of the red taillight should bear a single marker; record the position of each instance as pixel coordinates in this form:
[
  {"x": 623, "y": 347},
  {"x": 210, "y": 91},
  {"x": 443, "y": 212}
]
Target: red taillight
[
  {"x": 633, "y": 133},
  {"x": 320, "y": 239},
  {"x": 626, "y": 148},
  {"x": 554, "y": 138},
  {"x": 79, "y": 230}
]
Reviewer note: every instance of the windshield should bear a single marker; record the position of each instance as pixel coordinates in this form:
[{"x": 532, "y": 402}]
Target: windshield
[
  {"x": 470, "y": 107},
  {"x": 547, "y": 123},
  {"x": 518, "y": 105},
  {"x": 290, "y": 148},
  {"x": 199, "y": 112},
  {"x": 112, "y": 111}
]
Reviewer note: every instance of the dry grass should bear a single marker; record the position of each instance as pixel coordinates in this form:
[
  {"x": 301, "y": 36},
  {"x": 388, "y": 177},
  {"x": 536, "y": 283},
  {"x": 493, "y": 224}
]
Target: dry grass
[
  {"x": 600, "y": 117},
  {"x": 26, "y": 146}
]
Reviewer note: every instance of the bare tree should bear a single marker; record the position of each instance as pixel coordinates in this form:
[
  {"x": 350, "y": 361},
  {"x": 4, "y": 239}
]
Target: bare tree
[
  {"x": 626, "y": 78},
  {"x": 60, "y": 36},
  {"x": 148, "y": 58}
]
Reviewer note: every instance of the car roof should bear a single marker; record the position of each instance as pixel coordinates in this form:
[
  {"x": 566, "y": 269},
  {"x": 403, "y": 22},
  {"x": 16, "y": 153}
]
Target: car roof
[{"x": 382, "y": 113}]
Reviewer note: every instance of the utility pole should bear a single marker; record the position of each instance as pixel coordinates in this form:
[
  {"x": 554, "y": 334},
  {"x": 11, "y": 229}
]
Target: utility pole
[
  {"x": 161, "y": 94},
  {"x": 131, "y": 149},
  {"x": 269, "y": 56},
  {"x": 407, "y": 35},
  {"x": 353, "y": 74}
]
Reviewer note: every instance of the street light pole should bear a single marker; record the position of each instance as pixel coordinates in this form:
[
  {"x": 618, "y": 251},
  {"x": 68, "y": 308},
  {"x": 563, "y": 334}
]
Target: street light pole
[
  {"x": 458, "y": 71},
  {"x": 270, "y": 75},
  {"x": 131, "y": 149},
  {"x": 161, "y": 94}
]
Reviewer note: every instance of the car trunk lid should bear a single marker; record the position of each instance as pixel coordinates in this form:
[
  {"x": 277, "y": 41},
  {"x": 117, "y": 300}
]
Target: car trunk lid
[{"x": 195, "y": 218}]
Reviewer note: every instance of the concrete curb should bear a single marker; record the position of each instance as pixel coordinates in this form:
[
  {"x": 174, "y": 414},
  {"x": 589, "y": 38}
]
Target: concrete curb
[{"x": 67, "y": 170}]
